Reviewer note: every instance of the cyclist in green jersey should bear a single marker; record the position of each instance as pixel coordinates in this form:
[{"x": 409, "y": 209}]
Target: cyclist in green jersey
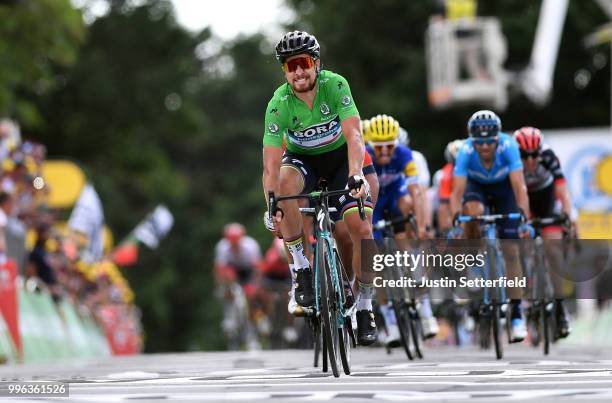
[{"x": 315, "y": 113}]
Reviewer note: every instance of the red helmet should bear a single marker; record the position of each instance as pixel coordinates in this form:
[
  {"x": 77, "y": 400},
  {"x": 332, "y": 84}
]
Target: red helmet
[
  {"x": 529, "y": 139},
  {"x": 233, "y": 232}
]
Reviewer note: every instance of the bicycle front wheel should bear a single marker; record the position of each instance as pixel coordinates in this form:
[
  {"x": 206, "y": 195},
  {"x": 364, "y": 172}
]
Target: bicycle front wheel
[{"x": 329, "y": 307}]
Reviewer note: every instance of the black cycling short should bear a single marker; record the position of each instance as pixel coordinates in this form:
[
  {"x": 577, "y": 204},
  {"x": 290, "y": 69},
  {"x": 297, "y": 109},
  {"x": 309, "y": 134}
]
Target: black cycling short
[
  {"x": 331, "y": 166},
  {"x": 542, "y": 202}
]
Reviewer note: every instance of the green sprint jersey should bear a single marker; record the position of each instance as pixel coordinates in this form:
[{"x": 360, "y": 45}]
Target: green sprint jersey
[{"x": 315, "y": 131}]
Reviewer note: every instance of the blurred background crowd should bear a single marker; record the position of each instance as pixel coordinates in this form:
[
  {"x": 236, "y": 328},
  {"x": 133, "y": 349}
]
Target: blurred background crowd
[{"x": 50, "y": 256}]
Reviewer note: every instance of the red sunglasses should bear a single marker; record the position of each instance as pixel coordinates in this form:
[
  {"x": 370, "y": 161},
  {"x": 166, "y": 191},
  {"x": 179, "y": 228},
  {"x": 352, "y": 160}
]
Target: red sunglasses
[
  {"x": 381, "y": 147},
  {"x": 305, "y": 63}
]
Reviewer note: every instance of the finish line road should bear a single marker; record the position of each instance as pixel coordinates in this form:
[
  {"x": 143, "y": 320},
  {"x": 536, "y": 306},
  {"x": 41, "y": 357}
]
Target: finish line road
[{"x": 446, "y": 374}]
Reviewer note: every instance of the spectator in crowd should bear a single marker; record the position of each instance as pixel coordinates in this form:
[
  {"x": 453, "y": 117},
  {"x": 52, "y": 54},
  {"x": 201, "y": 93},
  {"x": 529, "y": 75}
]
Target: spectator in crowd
[
  {"x": 6, "y": 208},
  {"x": 40, "y": 262}
]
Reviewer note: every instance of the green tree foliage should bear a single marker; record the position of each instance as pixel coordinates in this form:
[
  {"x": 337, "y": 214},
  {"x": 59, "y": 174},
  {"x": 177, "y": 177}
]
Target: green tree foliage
[
  {"x": 34, "y": 37},
  {"x": 128, "y": 111},
  {"x": 379, "y": 47},
  {"x": 155, "y": 116}
]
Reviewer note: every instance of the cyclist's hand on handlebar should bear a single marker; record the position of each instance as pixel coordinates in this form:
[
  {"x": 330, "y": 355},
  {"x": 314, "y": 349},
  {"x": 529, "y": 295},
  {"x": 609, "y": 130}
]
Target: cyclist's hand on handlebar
[
  {"x": 357, "y": 185},
  {"x": 271, "y": 225},
  {"x": 456, "y": 232},
  {"x": 456, "y": 219},
  {"x": 526, "y": 231}
]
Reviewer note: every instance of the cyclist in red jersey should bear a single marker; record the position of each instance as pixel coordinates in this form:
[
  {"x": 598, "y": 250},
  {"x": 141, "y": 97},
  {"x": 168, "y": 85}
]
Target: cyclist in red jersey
[{"x": 545, "y": 183}]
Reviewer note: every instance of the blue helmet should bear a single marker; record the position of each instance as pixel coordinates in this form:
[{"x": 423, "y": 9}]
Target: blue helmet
[{"x": 483, "y": 124}]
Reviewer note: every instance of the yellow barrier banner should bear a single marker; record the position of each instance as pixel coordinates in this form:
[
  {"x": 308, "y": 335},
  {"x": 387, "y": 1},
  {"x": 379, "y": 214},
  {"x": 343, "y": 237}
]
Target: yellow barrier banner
[{"x": 595, "y": 225}]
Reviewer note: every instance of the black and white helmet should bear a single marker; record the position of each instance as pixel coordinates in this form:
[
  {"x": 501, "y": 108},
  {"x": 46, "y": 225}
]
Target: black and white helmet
[
  {"x": 484, "y": 123},
  {"x": 296, "y": 42}
]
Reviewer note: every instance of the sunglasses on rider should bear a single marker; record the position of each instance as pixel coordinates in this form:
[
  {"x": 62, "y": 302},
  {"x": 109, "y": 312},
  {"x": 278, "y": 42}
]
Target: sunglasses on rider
[
  {"x": 488, "y": 141},
  {"x": 305, "y": 62},
  {"x": 383, "y": 147},
  {"x": 529, "y": 154}
]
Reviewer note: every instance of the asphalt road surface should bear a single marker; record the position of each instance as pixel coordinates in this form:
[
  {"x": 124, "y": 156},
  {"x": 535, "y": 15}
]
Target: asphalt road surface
[{"x": 445, "y": 374}]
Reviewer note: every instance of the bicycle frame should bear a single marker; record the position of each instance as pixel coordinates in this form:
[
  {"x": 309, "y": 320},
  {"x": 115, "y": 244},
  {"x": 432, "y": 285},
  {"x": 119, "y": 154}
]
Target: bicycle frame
[
  {"x": 491, "y": 307},
  {"x": 333, "y": 303},
  {"x": 322, "y": 230}
]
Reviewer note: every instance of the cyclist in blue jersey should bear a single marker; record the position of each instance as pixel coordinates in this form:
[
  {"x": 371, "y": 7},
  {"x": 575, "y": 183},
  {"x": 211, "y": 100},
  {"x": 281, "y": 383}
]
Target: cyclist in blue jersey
[
  {"x": 399, "y": 192},
  {"x": 488, "y": 173}
]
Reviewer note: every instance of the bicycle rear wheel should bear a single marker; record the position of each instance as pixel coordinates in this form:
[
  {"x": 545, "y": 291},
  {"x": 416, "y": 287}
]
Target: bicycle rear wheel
[
  {"x": 533, "y": 323},
  {"x": 329, "y": 308},
  {"x": 545, "y": 323},
  {"x": 415, "y": 329},
  {"x": 402, "y": 317},
  {"x": 497, "y": 331},
  {"x": 345, "y": 333},
  {"x": 484, "y": 326},
  {"x": 344, "y": 345},
  {"x": 316, "y": 333}
]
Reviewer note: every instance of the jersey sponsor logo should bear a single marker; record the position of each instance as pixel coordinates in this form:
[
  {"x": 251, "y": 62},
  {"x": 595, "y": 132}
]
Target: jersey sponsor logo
[
  {"x": 316, "y": 135},
  {"x": 324, "y": 109},
  {"x": 273, "y": 128},
  {"x": 340, "y": 85},
  {"x": 346, "y": 100},
  {"x": 274, "y": 111}
]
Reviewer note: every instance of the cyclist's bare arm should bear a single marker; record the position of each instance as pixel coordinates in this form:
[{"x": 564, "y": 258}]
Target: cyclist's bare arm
[
  {"x": 459, "y": 183},
  {"x": 354, "y": 143},
  {"x": 563, "y": 193},
  {"x": 374, "y": 186},
  {"x": 427, "y": 208},
  {"x": 517, "y": 180},
  {"x": 417, "y": 206},
  {"x": 272, "y": 157},
  {"x": 444, "y": 216}
]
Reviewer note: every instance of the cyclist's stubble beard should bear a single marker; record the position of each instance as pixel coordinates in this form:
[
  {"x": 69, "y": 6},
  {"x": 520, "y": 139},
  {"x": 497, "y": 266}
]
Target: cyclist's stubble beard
[{"x": 311, "y": 82}]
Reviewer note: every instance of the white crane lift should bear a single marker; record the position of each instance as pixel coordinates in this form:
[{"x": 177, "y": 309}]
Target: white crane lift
[{"x": 466, "y": 54}]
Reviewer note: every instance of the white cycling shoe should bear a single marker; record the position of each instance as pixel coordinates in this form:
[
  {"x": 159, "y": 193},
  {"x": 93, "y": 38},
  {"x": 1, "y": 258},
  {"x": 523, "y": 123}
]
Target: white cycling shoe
[
  {"x": 518, "y": 330},
  {"x": 430, "y": 327},
  {"x": 292, "y": 305},
  {"x": 392, "y": 338}
]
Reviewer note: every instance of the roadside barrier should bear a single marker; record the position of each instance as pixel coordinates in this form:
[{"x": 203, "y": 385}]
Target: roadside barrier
[{"x": 50, "y": 331}]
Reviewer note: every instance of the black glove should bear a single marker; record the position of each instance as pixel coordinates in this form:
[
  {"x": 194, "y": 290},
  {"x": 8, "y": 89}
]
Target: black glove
[{"x": 355, "y": 182}]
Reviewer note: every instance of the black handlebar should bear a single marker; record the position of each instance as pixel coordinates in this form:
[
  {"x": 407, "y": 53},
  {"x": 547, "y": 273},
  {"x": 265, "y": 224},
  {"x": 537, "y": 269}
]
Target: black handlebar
[{"x": 316, "y": 195}]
